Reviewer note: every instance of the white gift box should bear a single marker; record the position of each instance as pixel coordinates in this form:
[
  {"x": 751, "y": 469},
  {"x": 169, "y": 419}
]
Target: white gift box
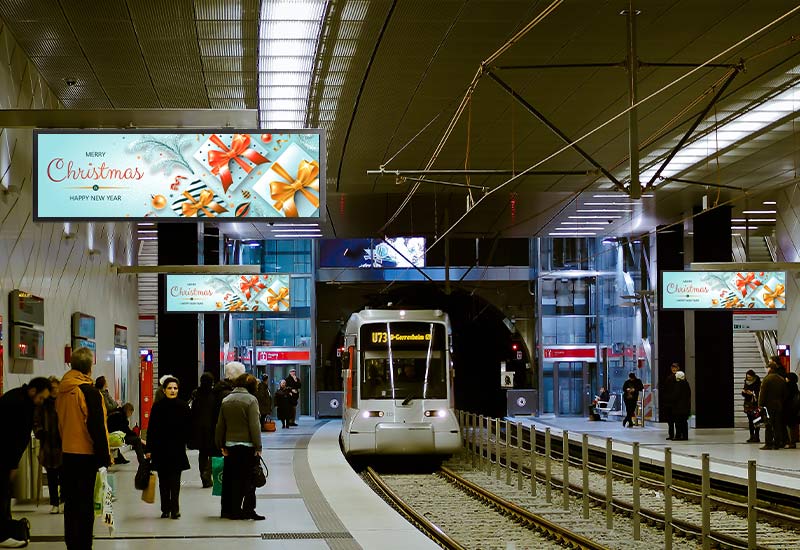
[
  {"x": 291, "y": 185},
  {"x": 232, "y": 158},
  {"x": 276, "y": 296},
  {"x": 772, "y": 285}
]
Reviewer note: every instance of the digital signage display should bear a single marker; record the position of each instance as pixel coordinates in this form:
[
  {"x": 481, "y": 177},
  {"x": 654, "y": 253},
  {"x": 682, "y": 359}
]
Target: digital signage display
[
  {"x": 757, "y": 290},
  {"x": 268, "y": 292},
  {"x": 210, "y": 175},
  {"x": 373, "y": 253}
]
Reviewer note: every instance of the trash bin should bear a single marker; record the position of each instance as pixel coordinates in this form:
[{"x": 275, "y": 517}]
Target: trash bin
[
  {"x": 329, "y": 404},
  {"x": 522, "y": 402},
  {"x": 26, "y": 486}
]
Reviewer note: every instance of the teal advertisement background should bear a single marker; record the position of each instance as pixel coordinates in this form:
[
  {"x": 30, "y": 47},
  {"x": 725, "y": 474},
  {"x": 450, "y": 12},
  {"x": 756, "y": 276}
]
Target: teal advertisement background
[
  {"x": 723, "y": 290},
  {"x": 267, "y": 292},
  {"x": 179, "y": 176}
]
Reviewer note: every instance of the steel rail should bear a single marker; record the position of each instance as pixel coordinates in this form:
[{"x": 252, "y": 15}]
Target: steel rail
[
  {"x": 424, "y": 524},
  {"x": 505, "y": 507}
]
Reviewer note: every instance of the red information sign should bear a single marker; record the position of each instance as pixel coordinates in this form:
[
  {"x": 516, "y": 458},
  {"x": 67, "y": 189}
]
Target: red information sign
[{"x": 570, "y": 353}]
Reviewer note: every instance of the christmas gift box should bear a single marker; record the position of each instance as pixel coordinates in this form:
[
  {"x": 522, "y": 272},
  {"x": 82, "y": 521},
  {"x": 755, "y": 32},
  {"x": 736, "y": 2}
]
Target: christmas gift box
[
  {"x": 773, "y": 294},
  {"x": 231, "y": 157},
  {"x": 747, "y": 282},
  {"x": 291, "y": 185},
  {"x": 276, "y": 296},
  {"x": 198, "y": 201},
  {"x": 248, "y": 287}
]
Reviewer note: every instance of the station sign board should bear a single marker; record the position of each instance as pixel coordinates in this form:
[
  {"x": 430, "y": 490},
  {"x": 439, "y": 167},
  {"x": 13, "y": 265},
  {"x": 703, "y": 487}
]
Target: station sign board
[
  {"x": 179, "y": 175},
  {"x": 723, "y": 290},
  {"x": 205, "y": 293}
]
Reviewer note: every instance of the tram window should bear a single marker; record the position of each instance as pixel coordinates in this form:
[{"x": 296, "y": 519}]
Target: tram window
[{"x": 414, "y": 376}]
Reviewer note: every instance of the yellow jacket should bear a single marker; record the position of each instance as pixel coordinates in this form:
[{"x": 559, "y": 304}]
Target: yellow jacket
[{"x": 82, "y": 418}]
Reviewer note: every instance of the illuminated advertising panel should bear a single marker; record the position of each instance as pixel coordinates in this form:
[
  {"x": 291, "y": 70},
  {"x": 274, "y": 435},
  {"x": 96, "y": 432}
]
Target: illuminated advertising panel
[
  {"x": 227, "y": 293},
  {"x": 757, "y": 290},
  {"x": 178, "y": 175},
  {"x": 373, "y": 253}
]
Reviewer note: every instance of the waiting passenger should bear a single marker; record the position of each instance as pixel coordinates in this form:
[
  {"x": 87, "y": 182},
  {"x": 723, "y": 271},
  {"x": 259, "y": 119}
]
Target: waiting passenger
[
  {"x": 791, "y": 410},
  {"x": 167, "y": 436},
  {"x": 102, "y": 386},
  {"x": 630, "y": 395},
  {"x": 773, "y": 396},
  {"x": 203, "y": 425},
  {"x": 681, "y": 406},
  {"x": 750, "y": 391},
  {"x": 119, "y": 421},
  {"x": 667, "y": 400},
  {"x": 283, "y": 398},
  {"x": 45, "y": 428}
]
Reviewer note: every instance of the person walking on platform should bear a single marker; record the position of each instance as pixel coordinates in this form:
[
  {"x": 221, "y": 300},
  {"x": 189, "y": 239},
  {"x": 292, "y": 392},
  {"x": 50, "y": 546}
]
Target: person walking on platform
[
  {"x": 681, "y": 406},
  {"x": 283, "y": 398},
  {"x": 630, "y": 394},
  {"x": 791, "y": 410},
  {"x": 773, "y": 396},
  {"x": 667, "y": 396},
  {"x": 84, "y": 440},
  {"x": 238, "y": 434},
  {"x": 167, "y": 435},
  {"x": 264, "y": 399},
  {"x": 203, "y": 425},
  {"x": 45, "y": 428},
  {"x": 750, "y": 391},
  {"x": 294, "y": 385}
]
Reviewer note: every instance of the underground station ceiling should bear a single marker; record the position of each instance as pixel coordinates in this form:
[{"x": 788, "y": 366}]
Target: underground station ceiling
[{"x": 469, "y": 118}]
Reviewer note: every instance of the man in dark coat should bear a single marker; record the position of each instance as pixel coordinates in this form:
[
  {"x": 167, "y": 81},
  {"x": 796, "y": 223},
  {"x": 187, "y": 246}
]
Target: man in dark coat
[
  {"x": 630, "y": 395},
  {"x": 667, "y": 399},
  {"x": 773, "y": 396},
  {"x": 294, "y": 385},
  {"x": 681, "y": 406},
  {"x": 264, "y": 399},
  {"x": 204, "y": 423},
  {"x": 16, "y": 411}
]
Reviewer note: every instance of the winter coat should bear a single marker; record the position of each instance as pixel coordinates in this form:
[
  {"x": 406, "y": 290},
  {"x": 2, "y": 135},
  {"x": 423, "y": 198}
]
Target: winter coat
[
  {"x": 631, "y": 389},
  {"x": 264, "y": 398},
  {"x": 751, "y": 401},
  {"x": 667, "y": 396},
  {"x": 773, "y": 392},
  {"x": 82, "y": 418},
  {"x": 45, "y": 428},
  {"x": 203, "y": 420},
  {"x": 117, "y": 421},
  {"x": 167, "y": 435},
  {"x": 294, "y": 384},
  {"x": 681, "y": 400},
  {"x": 790, "y": 406},
  {"x": 111, "y": 405},
  {"x": 222, "y": 389},
  {"x": 283, "y": 398},
  {"x": 16, "y": 421},
  {"x": 238, "y": 420}
]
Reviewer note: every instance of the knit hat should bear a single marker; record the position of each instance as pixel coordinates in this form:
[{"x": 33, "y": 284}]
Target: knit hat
[{"x": 233, "y": 370}]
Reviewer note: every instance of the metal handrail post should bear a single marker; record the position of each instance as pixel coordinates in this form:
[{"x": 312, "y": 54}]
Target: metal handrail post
[
  {"x": 565, "y": 469},
  {"x": 609, "y": 485},
  {"x": 667, "y": 498},
  {"x": 637, "y": 518},
  {"x": 706, "y": 501},
  {"x": 533, "y": 459},
  {"x": 752, "y": 513},
  {"x": 547, "y": 472},
  {"x": 585, "y": 466},
  {"x": 519, "y": 456},
  {"x": 497, "y": 447}
]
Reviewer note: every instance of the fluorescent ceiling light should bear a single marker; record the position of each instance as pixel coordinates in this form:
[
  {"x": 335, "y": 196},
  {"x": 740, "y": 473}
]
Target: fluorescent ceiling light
[
  {"x": 572, "y": 234},
  {"x": 759, "y": 211},
  {"x": 769, "y": 202},
  {"x": 583, "y": 223},
  {"x": 609, "y": 217},
  {"x": 620, "y": 196},
  {"x": 586, "y": 210},
  {"x": 608, "y": 204},
  {"x": 757, "y": 220},
  {"x": 309, "y": 236},
  {"x": 751, "y": 227}
]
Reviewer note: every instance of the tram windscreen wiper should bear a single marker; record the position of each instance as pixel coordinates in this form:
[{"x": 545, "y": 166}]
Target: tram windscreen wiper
[{"x": 408, "y": 399}]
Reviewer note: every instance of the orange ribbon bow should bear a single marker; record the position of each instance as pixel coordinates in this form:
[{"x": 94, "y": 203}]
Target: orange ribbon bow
[
  {"x": 246, "y": 285},
  {"x": 749, "y": 282},
  {"x": 772, "y": 296},
  {"x": 219, "y": 160},
  {"x": 281, "y": 298},
  {"x": 283, "y": 193},
  {"x": 205, "y": 203}
]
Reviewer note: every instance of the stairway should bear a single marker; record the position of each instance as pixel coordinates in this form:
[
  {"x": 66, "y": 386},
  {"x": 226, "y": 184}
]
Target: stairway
[
  {"x": 746, "y": 355},
  {"x": 759, "y": 252}
]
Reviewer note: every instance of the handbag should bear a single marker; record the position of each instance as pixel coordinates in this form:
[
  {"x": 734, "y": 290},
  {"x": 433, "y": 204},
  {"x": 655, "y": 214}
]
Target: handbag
[
  {"x": 142, "y": 478},
  {"x": 217, "y": 466},
  {"x": 149, "y": 493},
  {"x": 269, "y": 425},
  {"x": 259, "y": 475},
  {"x": 760, "y": 416}
]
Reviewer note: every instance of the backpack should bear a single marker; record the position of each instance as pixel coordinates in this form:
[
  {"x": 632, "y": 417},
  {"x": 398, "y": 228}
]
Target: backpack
[{"x": 19, "y": 529}]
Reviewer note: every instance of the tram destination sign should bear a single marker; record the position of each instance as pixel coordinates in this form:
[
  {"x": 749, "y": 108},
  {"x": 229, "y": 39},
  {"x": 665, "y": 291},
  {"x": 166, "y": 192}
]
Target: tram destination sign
[
  {"x": 269, "y": 292},
  {"x": 723, "y": 290},
  {"x": 179, "y": 176},
  {"x": 402, "y": 335}
]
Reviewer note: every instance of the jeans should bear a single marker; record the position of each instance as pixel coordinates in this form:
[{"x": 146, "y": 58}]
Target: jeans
[
  {"x": 169, "y": 487},
  {"x": 79, "y": 473},
  {"x": 54, "y": 480},
  {"x": 238, "y": 491}
]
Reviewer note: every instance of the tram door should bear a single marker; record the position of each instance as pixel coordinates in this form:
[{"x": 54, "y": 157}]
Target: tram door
[{"x": 564, "y": 385}]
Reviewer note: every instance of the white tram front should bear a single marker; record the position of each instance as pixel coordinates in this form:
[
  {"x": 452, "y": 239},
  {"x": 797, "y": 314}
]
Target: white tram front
[{"x": 397, "y": 384}]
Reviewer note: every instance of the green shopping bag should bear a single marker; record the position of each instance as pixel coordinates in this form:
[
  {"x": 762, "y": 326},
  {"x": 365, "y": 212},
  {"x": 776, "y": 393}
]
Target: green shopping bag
[{"x": 217, "y": 463}]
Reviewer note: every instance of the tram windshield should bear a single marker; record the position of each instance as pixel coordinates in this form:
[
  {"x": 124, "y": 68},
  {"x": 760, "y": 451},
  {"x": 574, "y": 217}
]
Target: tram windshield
[{"x": 403, "y": 360}]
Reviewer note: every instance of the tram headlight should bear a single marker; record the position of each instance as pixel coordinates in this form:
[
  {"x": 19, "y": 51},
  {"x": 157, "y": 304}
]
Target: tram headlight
[
  {"x": 441, "y": 413},
  {"x": 372, "y": 414}
]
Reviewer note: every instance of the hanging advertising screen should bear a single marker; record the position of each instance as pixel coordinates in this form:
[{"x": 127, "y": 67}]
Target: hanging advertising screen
[
  {"x": 757, "y": 290},
  {"x": 390, "y": 252},
  {"x": 188, "y": 176},
  {"x": 268, "y": 292}
]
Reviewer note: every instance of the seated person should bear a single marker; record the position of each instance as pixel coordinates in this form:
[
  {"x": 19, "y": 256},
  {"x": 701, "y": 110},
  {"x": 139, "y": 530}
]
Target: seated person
[
  {"x": 117, "y": 421},
  {"x": 602, "y": 395}
]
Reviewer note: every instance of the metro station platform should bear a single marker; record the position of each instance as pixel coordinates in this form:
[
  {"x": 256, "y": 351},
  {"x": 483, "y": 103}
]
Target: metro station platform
[
  {"x": 313, "y": 500},
  {"x": 727, "y": 448}
]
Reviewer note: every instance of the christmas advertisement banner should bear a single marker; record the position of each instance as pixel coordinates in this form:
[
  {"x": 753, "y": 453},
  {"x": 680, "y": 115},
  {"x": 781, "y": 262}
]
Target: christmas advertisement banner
[
  {"x": 267, "y": 292},
  {"x": 723, "y": 290},
  {"x": 130, "y": 175}
]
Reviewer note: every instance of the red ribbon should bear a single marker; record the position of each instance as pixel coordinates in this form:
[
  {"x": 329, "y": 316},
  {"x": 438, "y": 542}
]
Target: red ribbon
[
  {"x": 246, "y": 285},
  {"x": 219, "y": 160},
  {"x": 743, "y": 283}
]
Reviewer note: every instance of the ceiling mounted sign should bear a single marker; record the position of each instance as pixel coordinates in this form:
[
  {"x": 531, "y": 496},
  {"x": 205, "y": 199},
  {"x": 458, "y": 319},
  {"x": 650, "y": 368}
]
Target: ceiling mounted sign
[
  {"x": 268, "y": 292},
  {"x": 179, "y": 176},
  {"x": 731, "y": 290}
]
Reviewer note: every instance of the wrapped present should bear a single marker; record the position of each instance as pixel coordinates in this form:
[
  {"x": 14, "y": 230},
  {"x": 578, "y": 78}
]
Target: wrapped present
[
  {"x": 291, "y": 185},
  {"x": 276, "y": 297},
  {"x": 198, "y": 201},
  {"x": 250, "y": 287},
  {"x": 746, "y": 282},
  {"x": 234, "y": 304},
  {"x": 774, "y": 295},
  {"x": 231, "y": 157}
]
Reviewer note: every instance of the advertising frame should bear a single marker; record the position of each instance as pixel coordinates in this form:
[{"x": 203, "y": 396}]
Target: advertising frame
[
  {"x": 235, "y": 296},
  {"x": 322, "y": 210},
  {"x": 781, "y": 301}
]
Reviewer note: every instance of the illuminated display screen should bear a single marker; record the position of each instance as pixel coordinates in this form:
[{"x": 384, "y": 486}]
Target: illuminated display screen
[
  {"x": 723, "y": 290},
  {"x": 83, "y": 326},
  {"x": 28, "y": 343},
  {"x": 182, "y": 176},
  {"x": 24, "y": 307},
  {"x": 228, "y": 293},
  {"x": 392, "y": 252},
  {"x": 402, "y": 335}
]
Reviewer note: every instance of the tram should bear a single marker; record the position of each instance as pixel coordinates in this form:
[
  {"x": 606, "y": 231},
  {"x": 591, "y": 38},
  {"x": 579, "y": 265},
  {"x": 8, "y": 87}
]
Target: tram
[{"x": 398, "y": 390}]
